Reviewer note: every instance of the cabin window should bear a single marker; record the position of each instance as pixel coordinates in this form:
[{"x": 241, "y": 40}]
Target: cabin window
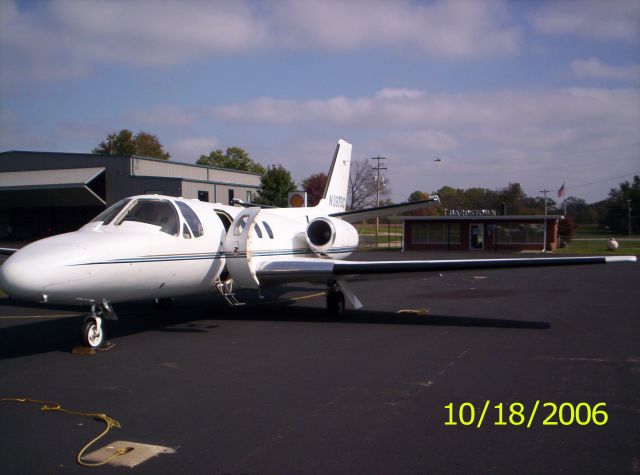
[
  {"x": 239, "y": 227},
  {"x": 108, "y": 214},
  {"x": 268, "y": 229},
  {"x": 191, "y": 218},
  {"x": 258, "y": 230},
  {"x": 185, "y": 231},
  {"x": 159, "y": 213}
]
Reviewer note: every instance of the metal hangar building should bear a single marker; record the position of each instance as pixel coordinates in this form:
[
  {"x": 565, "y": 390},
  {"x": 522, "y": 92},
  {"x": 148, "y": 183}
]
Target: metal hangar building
[{"x": 44, "y": 193}]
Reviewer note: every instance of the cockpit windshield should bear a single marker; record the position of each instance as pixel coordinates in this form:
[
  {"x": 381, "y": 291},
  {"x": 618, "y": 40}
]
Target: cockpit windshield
[
  {"x": 108, "y": 214},
  {"x": 159, "y": 213}
]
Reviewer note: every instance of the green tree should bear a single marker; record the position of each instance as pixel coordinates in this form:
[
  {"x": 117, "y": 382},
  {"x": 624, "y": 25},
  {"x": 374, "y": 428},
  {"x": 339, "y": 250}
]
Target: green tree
[
  {"x": 148, "y": 145},
  {"x": 511, "y": 197},
  {"x": 235, "y": 158},
  {"x": 418, "y": 196},
  {"x": 314, "y": 186},
  {"x": 125, "y": 143},
  {"x": 617, "y": 206},
  {"x": 275, "y": 186}
]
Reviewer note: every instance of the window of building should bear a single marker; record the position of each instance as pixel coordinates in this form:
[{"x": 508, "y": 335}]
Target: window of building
[
  {"x": 520, "y": 233},
  {"x": 203, "y": 195},
  {"x": 249, "y": 196},
  {"x": 191, "y": 218},
  {"x": 435, "y": 233}
]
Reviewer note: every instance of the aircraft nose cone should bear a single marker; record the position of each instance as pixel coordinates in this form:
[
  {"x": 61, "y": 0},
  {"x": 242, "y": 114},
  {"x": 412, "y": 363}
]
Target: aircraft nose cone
[{"x": 17, "y": 278}]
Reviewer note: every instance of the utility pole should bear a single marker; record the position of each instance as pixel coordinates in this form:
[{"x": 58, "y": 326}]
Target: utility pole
[
  {"x": 629, "y": 217},
  {"x": 379, "y": 166},
  {"x": 544, "y": 245}
]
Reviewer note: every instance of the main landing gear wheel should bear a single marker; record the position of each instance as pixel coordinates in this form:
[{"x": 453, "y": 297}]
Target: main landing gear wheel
[
  {"x": 164, "y": 303},
  {"x": 92, "y": 334},
  {"x": 335, "y": 303}
]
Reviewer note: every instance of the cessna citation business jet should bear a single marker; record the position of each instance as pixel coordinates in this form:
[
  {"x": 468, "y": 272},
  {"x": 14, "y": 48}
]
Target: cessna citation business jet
[{"x": 158, "y": 247}]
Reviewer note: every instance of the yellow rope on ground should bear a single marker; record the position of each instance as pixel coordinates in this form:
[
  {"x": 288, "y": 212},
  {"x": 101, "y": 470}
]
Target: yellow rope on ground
[
  {"x": 109, "y": 421},
  {"x": 293, "y": 299}
]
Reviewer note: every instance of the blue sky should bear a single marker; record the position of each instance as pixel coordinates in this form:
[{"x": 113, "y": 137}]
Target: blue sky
[{"x": 536, "y": 92}]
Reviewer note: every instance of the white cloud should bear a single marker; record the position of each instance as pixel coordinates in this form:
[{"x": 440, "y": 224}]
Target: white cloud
[
  {"x": 393, "y": 93},
  {"x": 165, "y": 115},
  {"x": 189, "y": 149},
  {"x": 421, "y": 140},
  {"x": 533, "y": 136},
  {"x": 594, "y": 68},
  {"x": 603, "y": 20},
  {"x": 501, "y": 110},
  {"x": 67, "y": 39},
  {"x": 158, "y": 33},
  {"x": 443, "y": 28}
]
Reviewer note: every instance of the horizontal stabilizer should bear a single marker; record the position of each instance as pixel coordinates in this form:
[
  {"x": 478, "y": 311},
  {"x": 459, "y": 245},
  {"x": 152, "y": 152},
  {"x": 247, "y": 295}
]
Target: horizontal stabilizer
[{"x": 357, "y": 215}]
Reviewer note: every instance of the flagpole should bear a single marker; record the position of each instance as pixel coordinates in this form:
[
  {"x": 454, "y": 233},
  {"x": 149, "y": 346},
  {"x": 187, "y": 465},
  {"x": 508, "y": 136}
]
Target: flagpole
[{"x": 544, "y": 245}]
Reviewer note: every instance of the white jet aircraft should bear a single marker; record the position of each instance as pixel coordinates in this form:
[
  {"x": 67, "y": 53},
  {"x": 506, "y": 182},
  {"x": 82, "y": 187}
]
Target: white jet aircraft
[{"x": 159, "y": 247}]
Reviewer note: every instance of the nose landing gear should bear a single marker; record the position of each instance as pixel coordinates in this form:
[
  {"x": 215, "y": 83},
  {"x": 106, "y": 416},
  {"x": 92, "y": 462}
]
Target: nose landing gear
[{"x": 93, "y": 333}]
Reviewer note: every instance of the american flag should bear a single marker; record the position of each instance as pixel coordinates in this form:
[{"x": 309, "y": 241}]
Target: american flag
[{"x": 561, "y": 191}]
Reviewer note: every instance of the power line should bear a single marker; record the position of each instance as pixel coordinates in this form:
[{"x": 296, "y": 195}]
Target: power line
[
  {"x": 545, "y": 168},
  {"x": 603, "y": 181}
]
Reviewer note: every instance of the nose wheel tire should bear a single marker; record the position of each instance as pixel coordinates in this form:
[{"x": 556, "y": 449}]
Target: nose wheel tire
[
  {"x": 92, "y": 333},
  {"x": 335, "y": 303}
]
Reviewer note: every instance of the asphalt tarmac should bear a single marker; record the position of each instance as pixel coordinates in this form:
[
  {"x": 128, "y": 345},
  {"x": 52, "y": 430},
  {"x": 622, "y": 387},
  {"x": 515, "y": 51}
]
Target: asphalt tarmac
[{"x": 281, "y": 388}]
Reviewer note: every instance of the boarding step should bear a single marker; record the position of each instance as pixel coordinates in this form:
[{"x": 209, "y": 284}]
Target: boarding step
[{"x": 225, "y": 289}]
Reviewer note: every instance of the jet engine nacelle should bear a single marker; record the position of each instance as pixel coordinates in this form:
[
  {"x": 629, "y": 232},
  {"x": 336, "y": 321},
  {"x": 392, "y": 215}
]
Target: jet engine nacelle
[{"x": 331, "y": 237}]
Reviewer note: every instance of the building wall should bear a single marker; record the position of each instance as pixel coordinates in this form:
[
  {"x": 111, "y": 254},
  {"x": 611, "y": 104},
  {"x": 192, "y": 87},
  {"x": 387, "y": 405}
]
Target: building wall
[
  {"x": 151, "y": 167},
  {"x": 190, "y": 189},
  {"x": 490, "y": 236},
  {"x": 123, "y": 177},
  {"x": 146, "y": 167}
]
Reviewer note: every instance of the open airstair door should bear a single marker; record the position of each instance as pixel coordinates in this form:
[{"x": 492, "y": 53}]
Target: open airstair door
[{"x": 237, "y": 249}]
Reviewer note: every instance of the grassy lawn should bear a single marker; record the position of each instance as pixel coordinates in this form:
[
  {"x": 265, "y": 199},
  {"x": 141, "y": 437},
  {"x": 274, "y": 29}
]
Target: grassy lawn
[{"x": 599, "y": 246}]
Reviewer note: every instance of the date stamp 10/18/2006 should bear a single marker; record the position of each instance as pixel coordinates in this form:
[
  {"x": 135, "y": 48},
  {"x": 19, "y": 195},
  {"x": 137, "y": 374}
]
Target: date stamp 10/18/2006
[{"x": 517, "y": 414}]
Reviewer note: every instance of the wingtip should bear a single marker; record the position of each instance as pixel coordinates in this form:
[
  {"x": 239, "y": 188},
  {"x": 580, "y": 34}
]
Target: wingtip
[{"x": 610, "y": 259}]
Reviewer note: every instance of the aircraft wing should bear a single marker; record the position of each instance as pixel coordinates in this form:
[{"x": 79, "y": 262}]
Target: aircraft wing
[
  {"x": 358, "y": 215},
  {"x": 7, "y": 251},
  {"x": 313, "y": 270}
]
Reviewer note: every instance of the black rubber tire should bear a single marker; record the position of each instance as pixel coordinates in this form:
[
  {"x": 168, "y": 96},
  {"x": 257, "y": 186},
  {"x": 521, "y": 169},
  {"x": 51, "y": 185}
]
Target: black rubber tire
[
  {"x": 89, "y": 338},
  {"x": 164, "y": 303},
  {"x": 335, "y": 304}
]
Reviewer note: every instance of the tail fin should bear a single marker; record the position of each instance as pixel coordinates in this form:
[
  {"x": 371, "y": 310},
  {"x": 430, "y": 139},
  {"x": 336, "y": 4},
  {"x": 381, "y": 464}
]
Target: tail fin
[{"x": 334, "y": 198}]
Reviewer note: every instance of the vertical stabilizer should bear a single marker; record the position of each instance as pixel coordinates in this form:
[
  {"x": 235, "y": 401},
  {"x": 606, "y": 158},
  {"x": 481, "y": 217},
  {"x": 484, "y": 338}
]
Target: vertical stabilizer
[{"x": 334, "y": 199}]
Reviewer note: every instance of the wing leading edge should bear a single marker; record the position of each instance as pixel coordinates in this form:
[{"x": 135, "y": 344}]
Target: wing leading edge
[{"x": 313, "y": 270}]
